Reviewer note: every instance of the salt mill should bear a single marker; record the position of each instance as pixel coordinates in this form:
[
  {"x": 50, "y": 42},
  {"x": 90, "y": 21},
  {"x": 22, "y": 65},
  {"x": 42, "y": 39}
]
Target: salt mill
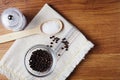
[{"x": 13, "y": 19}]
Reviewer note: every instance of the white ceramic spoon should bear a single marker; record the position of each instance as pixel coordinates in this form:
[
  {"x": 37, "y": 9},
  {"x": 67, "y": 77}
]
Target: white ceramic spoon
[{"x": 36, "y": 30}]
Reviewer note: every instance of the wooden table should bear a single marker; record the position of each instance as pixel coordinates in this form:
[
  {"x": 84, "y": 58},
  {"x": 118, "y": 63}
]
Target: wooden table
[{"x": 99, "y": 20}]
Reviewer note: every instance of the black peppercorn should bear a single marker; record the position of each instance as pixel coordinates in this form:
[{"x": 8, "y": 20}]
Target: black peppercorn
[
  {"x": 51, "y": 46},
  {"x": 52, "y": 37},
  {"x": 47, "y": 45},
  {"x": 66, "y": 49},
  {"x": 59, "y": 55},
  {"x": 51, "y": 43},
  {"x": 64, "y": 39},
  {"x": 62, "y": 48},
  {"x": 40, "y": 60}
]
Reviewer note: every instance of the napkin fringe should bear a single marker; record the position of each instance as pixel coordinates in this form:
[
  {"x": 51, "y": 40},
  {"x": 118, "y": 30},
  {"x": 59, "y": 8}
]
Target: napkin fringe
[{"x": 77, "y": 60}]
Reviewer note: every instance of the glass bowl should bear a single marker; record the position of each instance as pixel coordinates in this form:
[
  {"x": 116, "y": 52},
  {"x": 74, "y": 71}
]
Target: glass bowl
[{"x": 28, "y": 56}]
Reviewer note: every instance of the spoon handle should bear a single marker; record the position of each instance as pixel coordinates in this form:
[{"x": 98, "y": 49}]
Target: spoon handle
[{"x": 19, "y": 34}]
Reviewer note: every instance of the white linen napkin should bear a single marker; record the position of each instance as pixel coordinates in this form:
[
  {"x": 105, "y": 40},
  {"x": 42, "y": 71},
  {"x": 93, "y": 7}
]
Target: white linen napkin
[{"x": 12, "y": 64}]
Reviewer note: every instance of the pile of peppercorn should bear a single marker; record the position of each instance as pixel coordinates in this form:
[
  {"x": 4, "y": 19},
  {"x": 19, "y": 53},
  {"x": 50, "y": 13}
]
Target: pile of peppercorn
[{"x": 40, "y": 60}]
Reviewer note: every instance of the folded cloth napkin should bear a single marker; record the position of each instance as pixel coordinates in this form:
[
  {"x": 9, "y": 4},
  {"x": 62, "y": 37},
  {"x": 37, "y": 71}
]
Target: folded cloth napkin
[{"x": 12, "y": 64}]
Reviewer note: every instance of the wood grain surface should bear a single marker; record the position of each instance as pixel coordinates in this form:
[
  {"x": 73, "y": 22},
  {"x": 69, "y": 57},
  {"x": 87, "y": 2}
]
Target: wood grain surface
[{"x": 99, "y": 20}]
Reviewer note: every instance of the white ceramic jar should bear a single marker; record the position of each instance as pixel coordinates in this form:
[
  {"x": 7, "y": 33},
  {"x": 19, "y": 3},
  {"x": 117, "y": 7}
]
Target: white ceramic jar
[{"x": 13, "y": 19}]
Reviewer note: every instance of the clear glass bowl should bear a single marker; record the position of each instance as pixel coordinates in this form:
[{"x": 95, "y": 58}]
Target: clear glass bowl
[{"x": 27, "y": 58}]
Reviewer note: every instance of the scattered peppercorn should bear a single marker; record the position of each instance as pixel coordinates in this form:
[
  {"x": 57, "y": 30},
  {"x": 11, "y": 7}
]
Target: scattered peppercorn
[
  {"x": 62, "y": 48},
  {"x": 66, "y": 46},
  {"x": 59, "y": 55},
  {"x": 66, "y": 43},
  {"x": 52, "y": 37},
  {"x": 51, "y": 43},
  {"x": 64, "y": 39},
  {"x": 66, "y": 49},
  {"x": 57, "y": 39},
  {"x": 47, "y": 45},
  {"x": 51, "y": 46}
]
